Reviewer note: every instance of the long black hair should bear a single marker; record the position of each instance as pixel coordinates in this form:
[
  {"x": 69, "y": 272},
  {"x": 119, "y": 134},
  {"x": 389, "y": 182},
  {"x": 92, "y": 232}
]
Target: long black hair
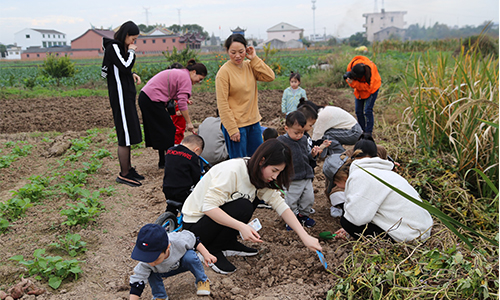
[{"x": 127, "y": 28}]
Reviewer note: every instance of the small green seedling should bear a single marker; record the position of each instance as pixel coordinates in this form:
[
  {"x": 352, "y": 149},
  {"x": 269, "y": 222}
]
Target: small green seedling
[{"x": 71, "y": 244}]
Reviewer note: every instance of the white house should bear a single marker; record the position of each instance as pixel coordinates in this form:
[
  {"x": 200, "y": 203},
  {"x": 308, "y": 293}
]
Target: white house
[
  {"x": 45, "y": 38},
  {"x": 376, "y": 22},
  {"x": 284, "y": 32},
  {"x": 13, "y": 52}
]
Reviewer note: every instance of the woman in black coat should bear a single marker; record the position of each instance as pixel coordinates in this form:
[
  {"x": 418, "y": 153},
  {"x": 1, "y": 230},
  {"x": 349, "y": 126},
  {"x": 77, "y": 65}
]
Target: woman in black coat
[{"x": 119, "y": 59}]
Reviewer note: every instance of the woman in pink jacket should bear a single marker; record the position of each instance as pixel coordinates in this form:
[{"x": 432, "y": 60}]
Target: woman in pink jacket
[{"x": 159, "y": 130}]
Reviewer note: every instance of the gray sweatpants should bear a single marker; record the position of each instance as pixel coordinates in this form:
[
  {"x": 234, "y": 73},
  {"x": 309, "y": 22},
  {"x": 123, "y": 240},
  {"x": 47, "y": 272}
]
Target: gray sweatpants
[
  {"x": 341, "y": 137},
  {"x": 300, "y": 196}
]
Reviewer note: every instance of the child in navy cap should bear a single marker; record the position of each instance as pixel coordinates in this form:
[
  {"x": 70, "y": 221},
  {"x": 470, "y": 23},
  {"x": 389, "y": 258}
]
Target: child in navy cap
[{"x": 162, "y": 256}]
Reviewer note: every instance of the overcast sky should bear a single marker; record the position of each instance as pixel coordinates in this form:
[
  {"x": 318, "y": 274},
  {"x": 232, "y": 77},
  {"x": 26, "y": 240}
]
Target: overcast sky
[{"x": 335, "y": 17}]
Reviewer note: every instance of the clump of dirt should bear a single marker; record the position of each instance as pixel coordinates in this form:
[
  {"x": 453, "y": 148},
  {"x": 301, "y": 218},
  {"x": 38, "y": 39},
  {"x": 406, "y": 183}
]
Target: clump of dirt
[{"x": 283, "y": 269}]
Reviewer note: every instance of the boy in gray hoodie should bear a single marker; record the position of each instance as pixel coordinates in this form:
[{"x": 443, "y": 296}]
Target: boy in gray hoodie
[{"x": 161, "y": 255}]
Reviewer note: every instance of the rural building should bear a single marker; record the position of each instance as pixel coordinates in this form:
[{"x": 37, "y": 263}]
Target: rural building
[
  {"x": 279, "y": 44},
  {"x": 158, "y": 40},
  {"x": 35, "y": 53},
  {"x": 13, "y": 52},
  {"x": 191, "y": 40},
  {"x": 30, "y": 37},
  {"x": 284, "y": 36},
  {"x": 89, "y": 44},
  {"x": 388, "y": 33},
  {"x": 238, "y": 30},
  {"x": 284, "y": 32},
  {"x": 376, "y": 22}
]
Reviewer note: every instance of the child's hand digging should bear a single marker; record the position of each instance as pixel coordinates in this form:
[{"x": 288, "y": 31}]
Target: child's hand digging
[{"x": 207, "y": 256}]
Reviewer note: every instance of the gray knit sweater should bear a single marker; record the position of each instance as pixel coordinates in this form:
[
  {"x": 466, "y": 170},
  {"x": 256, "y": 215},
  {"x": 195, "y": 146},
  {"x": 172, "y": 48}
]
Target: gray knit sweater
[{"x": 300, "y": 157}]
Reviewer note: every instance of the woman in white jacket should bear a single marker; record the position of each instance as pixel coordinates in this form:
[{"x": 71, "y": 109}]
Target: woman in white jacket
[{"x": 371, "y": 208}]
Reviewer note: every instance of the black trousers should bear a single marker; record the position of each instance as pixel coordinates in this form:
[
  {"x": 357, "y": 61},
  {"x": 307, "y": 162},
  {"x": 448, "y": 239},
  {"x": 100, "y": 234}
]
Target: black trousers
[
  {"x": 368, "y": 229},
  {"x": 216, "y": 237},
  {"x": 159, "y": 130}
]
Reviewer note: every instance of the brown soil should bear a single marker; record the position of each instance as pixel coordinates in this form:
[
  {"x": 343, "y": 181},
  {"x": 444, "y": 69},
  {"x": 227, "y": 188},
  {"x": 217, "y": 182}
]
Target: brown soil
[{"x": 283, "y": 269}]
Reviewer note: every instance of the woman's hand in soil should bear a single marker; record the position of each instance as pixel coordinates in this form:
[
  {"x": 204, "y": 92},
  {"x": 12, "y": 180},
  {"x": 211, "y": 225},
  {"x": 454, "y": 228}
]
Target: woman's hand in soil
[
  {"x": 235, "y": 137},
  {"x": 137, "y": 78},
  {"x": 312, "y": 243},
  {"x": 250, "y": 234},
  {"x": 190, "y": 127}
]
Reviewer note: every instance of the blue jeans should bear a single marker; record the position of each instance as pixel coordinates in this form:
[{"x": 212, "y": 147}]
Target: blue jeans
[
  {"x": 189, "y": 262},
  {"x": 365, "y": 119},
  {"x": 250, "y": 140}
]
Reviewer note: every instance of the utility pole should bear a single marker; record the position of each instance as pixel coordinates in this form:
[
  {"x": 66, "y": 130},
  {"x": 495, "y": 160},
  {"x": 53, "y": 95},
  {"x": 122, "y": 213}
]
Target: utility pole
[
  {"x": 314, "y": 20},
  {"x": 147, "y": 15},
  {"x": 179, "y": 14}
]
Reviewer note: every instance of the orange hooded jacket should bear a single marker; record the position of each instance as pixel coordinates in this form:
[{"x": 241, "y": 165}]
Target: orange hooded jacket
[{"x": 363, "y": 89}]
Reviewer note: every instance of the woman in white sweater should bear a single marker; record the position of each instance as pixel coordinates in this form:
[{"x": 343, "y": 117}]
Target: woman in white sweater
[
  {"x": 223, "y": 202},
  {"x": 375, "y": 209}
]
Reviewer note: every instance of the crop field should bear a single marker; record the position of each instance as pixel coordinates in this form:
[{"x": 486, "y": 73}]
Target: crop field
[{"x": 69, "y": 228}]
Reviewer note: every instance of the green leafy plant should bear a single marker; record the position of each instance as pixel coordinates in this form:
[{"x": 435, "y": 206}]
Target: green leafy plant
[
  {"x": 22, "y": 151},
  {"x": 92, "y": 166},
  {"x": 181, "y": 57},
  {"x": 80, "y": 145},
  {"x": 58, "y": 67},
  {"x": 84, "y": 211},
  {"x": 4, "y": 224},
  {"x": 32, "y": 191},
  {"x": 71, "y": 244},
  {"x": 14, "y": 208},
  {"x": 107, "y": 191},
  {"x": 71, "y": 189},
  {"x": 52, "y": 268},
  {"x": 79, "y": 213},
  {"x": 101, "y": 153},
  {"x": 76, "y": 177},
  {"x": 7, "y": 160}
]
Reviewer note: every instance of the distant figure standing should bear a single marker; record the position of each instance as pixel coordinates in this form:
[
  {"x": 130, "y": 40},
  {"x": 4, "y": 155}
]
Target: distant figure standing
[
  {"x": 119, "y": 59},
  {"x": 362, "y": 75},
  {"x": 292, "y": 94},
  {"x": 237, "y": 99}
]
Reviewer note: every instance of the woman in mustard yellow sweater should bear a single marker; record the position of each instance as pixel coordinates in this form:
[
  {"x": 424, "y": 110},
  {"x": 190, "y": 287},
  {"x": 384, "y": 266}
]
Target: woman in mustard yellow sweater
[{"x": 237, "y": 100}]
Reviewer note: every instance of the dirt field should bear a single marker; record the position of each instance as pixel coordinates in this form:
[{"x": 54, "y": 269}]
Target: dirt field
[{"x": 283, "y": 269}]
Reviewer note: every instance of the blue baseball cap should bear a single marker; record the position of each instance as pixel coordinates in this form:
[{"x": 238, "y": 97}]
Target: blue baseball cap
[{"x": 152, "y": 240}]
